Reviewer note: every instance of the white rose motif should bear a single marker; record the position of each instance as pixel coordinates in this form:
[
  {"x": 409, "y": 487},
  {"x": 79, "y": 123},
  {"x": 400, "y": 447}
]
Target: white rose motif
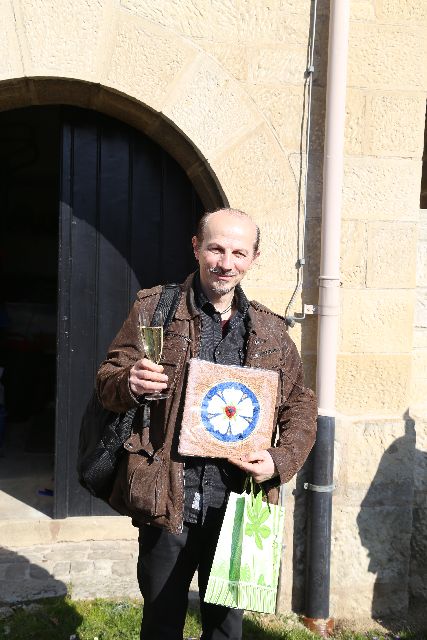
[{"x": 230, "y": 411}]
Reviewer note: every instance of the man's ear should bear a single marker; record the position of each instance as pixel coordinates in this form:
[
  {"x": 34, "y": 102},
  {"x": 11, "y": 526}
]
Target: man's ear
[{"x": 195, "y": 244}]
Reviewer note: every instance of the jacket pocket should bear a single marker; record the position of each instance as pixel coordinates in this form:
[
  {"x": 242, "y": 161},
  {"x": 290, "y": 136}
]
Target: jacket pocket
[
  {"x": 139, "y": 489},
  {"x": 145, "y": 484}
]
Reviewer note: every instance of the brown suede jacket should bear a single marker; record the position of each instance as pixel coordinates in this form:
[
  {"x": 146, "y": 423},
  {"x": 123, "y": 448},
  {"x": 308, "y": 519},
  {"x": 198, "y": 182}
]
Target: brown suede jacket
[{"x": 149, "y": 485}]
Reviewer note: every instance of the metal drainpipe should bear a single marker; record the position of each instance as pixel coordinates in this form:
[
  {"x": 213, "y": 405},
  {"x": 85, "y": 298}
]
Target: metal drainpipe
[{"x": 317, "y": 616}]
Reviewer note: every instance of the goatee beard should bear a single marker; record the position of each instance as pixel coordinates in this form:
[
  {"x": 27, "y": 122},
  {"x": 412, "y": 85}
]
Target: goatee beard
[{"x": 222, "y": 290}]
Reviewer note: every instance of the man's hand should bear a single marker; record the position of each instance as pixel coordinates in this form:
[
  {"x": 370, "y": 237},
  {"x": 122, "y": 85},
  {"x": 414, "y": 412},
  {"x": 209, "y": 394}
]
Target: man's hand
[
  {"x": 147, "y": 376},
  {"x": 260, "y": 465}
]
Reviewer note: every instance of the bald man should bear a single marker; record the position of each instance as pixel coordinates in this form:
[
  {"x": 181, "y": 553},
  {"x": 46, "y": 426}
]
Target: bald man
[{"x": 178, "y": 503}]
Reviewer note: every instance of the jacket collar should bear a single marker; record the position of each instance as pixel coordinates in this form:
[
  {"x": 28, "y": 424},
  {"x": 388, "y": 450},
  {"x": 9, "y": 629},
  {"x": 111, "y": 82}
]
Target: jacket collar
[{"x": 187, "y": 306}]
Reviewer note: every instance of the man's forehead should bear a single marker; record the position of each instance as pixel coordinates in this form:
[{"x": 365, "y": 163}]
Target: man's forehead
[{"x": 221, "y": 224}]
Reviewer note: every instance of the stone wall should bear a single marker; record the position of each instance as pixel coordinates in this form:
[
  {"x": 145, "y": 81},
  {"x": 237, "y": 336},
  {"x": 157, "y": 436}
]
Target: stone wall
[{"x": 221, "y": 85}]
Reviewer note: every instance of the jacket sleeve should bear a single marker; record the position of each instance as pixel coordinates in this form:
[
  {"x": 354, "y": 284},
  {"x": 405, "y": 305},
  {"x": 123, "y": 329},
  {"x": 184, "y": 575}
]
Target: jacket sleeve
[
  {"x": 112, "y": 380},
  {"x": 296, "y": 419}
]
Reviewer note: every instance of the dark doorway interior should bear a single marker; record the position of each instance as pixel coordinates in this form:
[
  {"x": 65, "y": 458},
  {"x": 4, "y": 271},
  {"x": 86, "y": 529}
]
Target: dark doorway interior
[
  {"x": 91, "y": 210},
  {"x": 29, "y": 188}
]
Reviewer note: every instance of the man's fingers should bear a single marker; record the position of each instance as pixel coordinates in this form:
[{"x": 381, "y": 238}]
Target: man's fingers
[
  {"x": 153, "y": 376},
  {"x": 146, "y": 377},
  {"x": 148, "y": 365}
]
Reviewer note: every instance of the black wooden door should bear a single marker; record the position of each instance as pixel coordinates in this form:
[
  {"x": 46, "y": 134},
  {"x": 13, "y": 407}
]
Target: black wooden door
[{"x": 127, "y": 215}]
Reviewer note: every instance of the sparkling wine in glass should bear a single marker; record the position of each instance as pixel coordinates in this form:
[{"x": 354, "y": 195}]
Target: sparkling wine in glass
[{"x": 152, "y": 343}]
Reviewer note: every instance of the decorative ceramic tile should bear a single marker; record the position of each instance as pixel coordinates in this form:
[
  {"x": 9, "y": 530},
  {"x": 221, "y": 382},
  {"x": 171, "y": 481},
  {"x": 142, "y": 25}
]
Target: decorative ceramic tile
[{"x": 228, "y": 410}]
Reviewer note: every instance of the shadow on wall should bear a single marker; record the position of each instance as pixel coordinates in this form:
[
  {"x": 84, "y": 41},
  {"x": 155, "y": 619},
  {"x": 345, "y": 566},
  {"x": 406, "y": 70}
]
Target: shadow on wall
[
  {"x": 22, "y": 581},
  {"x": 386, "y": 527}
]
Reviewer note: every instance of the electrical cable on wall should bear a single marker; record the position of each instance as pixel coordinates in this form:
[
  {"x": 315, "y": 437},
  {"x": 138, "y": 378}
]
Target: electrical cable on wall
[{"x": 291, "y": 319}]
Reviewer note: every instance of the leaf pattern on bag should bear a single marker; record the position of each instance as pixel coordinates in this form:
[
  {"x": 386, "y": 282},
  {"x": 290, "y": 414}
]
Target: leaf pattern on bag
[
  {"x": 257, "y": 512},
  {"x": 237, "y": 540}
]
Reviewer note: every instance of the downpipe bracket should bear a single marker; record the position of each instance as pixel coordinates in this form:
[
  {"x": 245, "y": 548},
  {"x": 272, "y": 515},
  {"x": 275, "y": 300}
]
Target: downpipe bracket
[{"x": 320, "y": 488}]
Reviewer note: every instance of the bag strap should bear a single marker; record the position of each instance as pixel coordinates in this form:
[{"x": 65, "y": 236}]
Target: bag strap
[{"x": 166, "y": 306}]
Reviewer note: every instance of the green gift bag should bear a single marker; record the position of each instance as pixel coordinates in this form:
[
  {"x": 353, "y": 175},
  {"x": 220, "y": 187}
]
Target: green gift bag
[{"x": 245, "y": 569}]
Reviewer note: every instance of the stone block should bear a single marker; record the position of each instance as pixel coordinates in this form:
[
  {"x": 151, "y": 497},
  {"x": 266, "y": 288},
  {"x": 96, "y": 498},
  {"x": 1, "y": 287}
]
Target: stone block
[
  {"x": 278, "y": 64},
  {"x": 373, "y": 384},
  {"x": 94, "y": 528},
  {"x": 210, "y": 107},
  {"x": 419, "y": 360},
  {"x": 381, "y": 189},
  {"x": 145, "y": 60},
  {"x": 376, "y": 321},
  {"x": 263, "y": 182},
  {"x": 61, "y": 570},
  {"x": 354, "y": 249},
  {"x": 126, "y": 569},
  {"x": 422, "y": 262},
  {"x": 362, "y": 10},
  {"x": 99, "y": 554},
  {"x": 103, "y": 567},
  {"x": 234, "y": 60},
  {"x": 201, "y": 20},
  {"x": 421, "y": 310},
  {"x": 394, "y": 125},
  {"x": 11, "y": 65},
  {"x": 62, "y": 551},
  {"x": 279, "y": 248},
  {"x": 283, "y": 107},
  {"x": 420, "y": 338},
  {"x": 401, "y": 11},
  {"x": 391, "y": 255},
  {"x": 383, "y": 56},
  {"x": 225, "y": 21},
  {"x": 419, "y": 377},
  {"x": 355, "y": 121},
  {"x": 60, "y": 38}
]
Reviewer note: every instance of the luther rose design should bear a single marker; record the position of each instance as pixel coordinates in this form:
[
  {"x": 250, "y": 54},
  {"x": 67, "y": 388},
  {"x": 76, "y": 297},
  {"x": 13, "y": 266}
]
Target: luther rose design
[{"x": 230, "y": 411}]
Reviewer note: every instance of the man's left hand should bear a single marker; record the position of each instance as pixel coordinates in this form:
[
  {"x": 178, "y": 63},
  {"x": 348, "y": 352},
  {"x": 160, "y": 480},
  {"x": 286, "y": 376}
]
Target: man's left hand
[{"x": 259, "y": 464}]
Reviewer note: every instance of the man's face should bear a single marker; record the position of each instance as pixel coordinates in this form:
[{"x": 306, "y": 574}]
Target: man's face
[{"x": 226, "y": 252}]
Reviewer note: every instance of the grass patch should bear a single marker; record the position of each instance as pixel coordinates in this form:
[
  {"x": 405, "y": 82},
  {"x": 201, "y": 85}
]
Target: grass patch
[{"x": 63, "y": 618}]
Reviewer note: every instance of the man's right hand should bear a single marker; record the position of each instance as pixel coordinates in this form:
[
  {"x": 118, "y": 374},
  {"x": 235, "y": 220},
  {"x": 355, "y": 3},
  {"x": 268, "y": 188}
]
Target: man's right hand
[{"x": 147, "y": 376}]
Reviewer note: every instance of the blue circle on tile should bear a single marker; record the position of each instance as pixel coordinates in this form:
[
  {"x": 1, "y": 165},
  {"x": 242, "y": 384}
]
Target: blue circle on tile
[{"x": 230, "y": 411}]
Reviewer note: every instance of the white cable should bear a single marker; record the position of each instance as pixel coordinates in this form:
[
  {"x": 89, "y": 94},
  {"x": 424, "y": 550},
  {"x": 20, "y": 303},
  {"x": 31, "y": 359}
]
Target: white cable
[{"x": 301, "y": 243}]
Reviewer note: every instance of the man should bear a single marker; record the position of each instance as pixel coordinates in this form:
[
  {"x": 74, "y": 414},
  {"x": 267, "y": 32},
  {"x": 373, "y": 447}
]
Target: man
[{"x": 179, "y": 503}]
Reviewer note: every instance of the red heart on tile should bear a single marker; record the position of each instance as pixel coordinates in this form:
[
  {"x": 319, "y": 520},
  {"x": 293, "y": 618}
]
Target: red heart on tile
[{"x": 230, "y": 411}]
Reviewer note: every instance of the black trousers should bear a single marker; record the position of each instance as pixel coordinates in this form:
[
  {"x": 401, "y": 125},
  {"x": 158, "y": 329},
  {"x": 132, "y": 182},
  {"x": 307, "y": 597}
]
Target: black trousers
[{"x": 166, "y": 565}]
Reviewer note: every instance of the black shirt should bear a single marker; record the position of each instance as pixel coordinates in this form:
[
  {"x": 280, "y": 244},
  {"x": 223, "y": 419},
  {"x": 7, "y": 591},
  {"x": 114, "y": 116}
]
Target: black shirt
[{"x": 208, "y": 480}]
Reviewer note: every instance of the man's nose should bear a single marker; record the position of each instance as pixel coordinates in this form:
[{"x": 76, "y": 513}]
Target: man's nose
[{"x": 226, "y": 261}]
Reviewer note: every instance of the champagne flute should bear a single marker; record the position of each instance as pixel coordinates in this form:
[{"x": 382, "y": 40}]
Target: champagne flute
[{"x": 151, "y": 337}]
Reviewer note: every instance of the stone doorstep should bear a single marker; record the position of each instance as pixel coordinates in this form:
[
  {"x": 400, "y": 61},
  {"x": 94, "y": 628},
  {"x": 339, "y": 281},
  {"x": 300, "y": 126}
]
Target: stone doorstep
[{"x": 25, "y": 533}]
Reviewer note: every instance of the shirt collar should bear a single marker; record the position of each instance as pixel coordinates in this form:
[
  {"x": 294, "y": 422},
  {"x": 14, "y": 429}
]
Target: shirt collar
[{"x": 201, "y": 300}]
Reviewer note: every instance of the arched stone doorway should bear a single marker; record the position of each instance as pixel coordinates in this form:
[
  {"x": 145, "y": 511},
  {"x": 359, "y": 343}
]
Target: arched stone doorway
[{"x": 126, "y": 212}]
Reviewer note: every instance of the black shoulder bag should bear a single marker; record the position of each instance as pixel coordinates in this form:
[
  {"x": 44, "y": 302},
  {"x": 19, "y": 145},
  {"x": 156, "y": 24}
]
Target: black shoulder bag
[{"x": 103, "y": 432}]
